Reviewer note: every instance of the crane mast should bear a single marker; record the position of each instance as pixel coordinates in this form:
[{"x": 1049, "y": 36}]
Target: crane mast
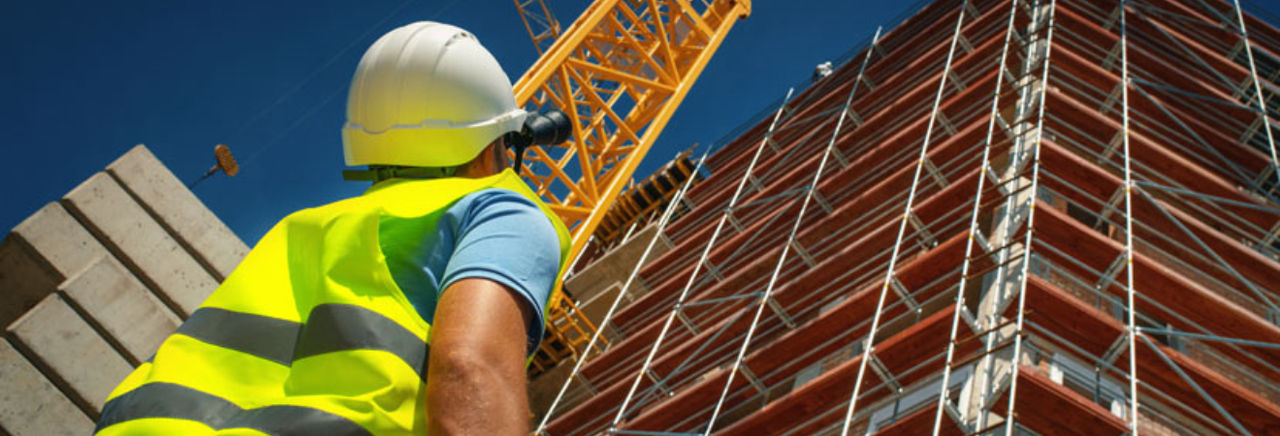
[{"x": 619, "y": 72}]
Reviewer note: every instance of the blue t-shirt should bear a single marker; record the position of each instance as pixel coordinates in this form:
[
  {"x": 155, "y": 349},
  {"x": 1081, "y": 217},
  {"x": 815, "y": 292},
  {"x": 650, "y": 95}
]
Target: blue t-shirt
[{"x": 493, "y": 234}]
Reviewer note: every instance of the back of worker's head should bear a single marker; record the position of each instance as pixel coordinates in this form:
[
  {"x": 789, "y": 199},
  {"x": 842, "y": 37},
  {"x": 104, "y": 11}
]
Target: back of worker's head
[{"x": 427, "y": 95}]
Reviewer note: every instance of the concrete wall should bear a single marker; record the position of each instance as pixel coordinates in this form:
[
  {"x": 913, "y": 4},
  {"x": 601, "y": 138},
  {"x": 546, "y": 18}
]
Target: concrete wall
[{"x": 90, "y": 286}]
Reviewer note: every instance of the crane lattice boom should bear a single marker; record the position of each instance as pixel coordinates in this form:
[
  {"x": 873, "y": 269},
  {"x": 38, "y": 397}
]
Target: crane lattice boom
[{"x": 619, "y": 72}]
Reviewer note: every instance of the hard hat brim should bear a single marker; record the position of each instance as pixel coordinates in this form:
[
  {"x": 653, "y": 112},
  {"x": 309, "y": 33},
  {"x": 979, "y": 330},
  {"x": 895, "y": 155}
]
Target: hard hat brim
[{"x": 453, "y": 144}]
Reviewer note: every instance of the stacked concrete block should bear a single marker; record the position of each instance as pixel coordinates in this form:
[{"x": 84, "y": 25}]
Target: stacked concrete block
[
  {"x": 67, "y": 346},
  {"x": 30, "y": 404},
  {"x": 178, "y": 210},
  {"x": 58, "y": 240},
  {"x": 138, "y": 240},
  {"x": 90, "y": 287},
  {"x": 23, "y": 281},
  {"x": 118, "y": 302},
  {"x": 42, "y": 251}
]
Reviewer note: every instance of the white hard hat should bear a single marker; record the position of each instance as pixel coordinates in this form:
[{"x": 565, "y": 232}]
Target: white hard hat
[{"x": 427, "y": 95}]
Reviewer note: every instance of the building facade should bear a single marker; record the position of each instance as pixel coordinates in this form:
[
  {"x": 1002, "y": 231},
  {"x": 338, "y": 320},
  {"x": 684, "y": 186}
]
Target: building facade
[{"x": 947, "y": 233}]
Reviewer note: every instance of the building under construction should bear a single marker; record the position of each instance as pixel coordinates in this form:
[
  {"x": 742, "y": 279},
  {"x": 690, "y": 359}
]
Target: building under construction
[
  {"x": 943, "y": 232},
  {"x": 946, "y": 234}
]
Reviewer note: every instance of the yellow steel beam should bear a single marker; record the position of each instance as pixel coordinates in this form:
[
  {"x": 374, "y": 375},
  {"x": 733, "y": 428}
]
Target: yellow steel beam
[
  {"x": 619, "y": 72},
  {"x": 566, "y": 69},
  {"x": 539, "y": 21}
]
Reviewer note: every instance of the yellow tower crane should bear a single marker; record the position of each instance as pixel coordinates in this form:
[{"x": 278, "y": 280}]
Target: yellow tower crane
[{"x": 619, "y": 72}]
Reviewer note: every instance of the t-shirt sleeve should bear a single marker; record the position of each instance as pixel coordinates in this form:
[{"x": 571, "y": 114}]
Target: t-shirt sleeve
[{"x": 504, "y": 237}]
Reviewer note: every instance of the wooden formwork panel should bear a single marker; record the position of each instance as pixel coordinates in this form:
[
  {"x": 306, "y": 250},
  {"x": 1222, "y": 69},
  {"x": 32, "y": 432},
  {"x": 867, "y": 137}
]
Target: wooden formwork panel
[
  {"x": 796, "y": 411},
  {"x": 1180, "y": 298},
  {"x": 1077, "y": 175},
  {"x": 1074, "y": 321},
  {"x": 797, "y": 349},
  {"x": 1050, "y": 409},
  {"x": 620, "y": 358}
]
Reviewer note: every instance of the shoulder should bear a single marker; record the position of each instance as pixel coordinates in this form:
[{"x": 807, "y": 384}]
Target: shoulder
[
  {"x": 503, "y": 236},
  {"x": 496, "y": 211},
  {"x": 497, "y": 197},
  {"x": 498, "y": 202}
]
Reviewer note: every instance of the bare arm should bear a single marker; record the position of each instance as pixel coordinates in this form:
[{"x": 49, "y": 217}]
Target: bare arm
[{"x": 476, "y": 376}]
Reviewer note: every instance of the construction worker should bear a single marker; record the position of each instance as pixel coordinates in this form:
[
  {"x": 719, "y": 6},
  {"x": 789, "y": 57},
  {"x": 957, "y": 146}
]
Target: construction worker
[{"x": 324, "y": 327}]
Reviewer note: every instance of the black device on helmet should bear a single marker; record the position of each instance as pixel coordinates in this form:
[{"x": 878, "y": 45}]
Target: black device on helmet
[{"x": 550, "y": 128}]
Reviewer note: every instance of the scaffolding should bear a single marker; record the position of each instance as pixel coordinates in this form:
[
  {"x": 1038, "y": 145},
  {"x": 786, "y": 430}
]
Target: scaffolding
[{"x": 997, "y": 217}]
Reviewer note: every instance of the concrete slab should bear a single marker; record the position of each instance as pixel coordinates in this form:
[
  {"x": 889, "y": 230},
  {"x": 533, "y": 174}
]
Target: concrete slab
[
  {"x": 71, "y": 350},
  {"x": 177, "y": 209},
  {"x": 615, "y": 266},
  {"x": 32, "y": 406},
  {"x": 140, "y": 242},
  {"x": 59, "y": 240},
  {"x": 122, "y": 306},
  {"x": 596, "y": 308},
  {"x": 23, "y": 280},
  {"x": 544, "y": 388}
]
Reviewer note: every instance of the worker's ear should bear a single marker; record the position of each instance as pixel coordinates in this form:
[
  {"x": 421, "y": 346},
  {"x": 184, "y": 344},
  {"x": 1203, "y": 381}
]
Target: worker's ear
[{"x": 498, "y": 152}]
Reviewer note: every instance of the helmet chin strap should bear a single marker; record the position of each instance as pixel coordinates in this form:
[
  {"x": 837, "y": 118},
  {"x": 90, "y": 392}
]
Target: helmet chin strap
[
  {"x": 378, "y": 173},
  {"x": 519, "y": 151}
]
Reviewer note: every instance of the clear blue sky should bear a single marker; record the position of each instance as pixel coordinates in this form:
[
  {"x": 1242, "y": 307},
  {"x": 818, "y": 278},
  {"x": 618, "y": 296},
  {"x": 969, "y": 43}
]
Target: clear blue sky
[{"x": 84, "y": 81}]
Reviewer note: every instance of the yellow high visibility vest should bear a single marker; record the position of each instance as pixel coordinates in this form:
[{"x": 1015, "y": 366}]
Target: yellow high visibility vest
[{"x": 310, "y": 335}]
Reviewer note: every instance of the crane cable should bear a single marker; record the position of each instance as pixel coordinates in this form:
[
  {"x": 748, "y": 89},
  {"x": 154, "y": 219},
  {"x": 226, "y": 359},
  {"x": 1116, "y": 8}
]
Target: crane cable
[{"x": 368, "y": 32}]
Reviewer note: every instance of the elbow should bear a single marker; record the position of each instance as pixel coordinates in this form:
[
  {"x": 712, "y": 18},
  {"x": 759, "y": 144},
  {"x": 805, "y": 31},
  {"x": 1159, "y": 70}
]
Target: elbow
[
  {"x": 460, "y": 371},
  {"x": 466, "y": 363},
  {"x": 469, "y": 389}
]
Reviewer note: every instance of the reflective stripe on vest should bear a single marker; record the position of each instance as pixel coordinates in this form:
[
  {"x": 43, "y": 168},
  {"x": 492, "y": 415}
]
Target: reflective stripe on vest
[
  {"x": 167, "y": 400},
  {"x": 310, "y": 334},
  {"x": 330, "y": 328}
]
